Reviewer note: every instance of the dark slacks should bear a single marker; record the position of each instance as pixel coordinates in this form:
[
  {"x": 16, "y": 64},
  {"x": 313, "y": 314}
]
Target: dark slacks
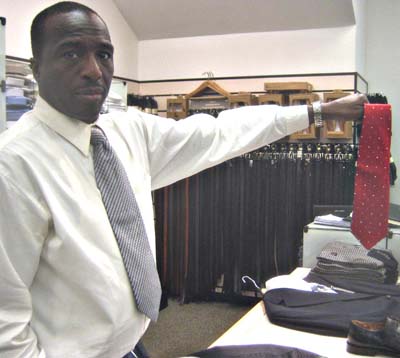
[{"x": 138, "y": 352}]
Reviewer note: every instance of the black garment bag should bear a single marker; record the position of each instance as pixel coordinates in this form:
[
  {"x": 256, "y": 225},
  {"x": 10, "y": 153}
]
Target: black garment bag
[{"x": 330, "y": 314}]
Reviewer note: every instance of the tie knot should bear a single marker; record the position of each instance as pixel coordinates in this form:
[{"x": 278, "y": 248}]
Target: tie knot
[{"x": 98, "y": 136}]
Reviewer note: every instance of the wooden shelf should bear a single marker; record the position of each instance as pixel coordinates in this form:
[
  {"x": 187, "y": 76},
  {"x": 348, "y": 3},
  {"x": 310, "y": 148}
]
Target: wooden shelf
[{"x": 336, "y": 129}]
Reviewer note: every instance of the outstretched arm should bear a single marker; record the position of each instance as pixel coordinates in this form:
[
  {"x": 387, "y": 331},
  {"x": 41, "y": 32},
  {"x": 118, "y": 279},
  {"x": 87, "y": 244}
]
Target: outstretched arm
[{"x": 349, "y": 108}]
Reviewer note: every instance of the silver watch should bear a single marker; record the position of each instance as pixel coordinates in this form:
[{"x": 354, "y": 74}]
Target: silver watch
[{"x": 317, "y": 114}]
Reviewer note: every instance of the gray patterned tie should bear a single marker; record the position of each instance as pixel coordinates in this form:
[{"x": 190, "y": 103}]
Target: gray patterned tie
[{"x": 127, "y": 224}]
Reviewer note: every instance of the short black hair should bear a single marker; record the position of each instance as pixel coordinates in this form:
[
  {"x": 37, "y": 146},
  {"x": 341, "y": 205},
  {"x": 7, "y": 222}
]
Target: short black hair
[{"x": 39, "y": 22}]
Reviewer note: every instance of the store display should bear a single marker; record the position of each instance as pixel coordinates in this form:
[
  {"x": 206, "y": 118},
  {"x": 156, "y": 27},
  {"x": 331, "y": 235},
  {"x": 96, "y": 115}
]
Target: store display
[
  {"x": 209, "y": 98},
  {"x": 211, "y": 228},
  {"x": 336, "y": 129},
  {"x": 20, "y": 90},
  {"x": 354, "y": 262},
  {"x": 2, "y": 74},
  {"x": 271, "y": 98},
  {"x": 331, "y": 313},
  {"x": 242, "y": 99},
  {"x": 117, "y": 97},
  {"x": 299, "y": 99},
  {"x": 145, "y": 104},
  {"x": 177, "y": 108},
  {"x": 17, "y": 106},
  {"x": 288, "y": 87}
]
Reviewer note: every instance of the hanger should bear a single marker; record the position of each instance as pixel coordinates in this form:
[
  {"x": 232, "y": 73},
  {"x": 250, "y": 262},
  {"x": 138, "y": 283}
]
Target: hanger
[{"x": 208, "y": 84}]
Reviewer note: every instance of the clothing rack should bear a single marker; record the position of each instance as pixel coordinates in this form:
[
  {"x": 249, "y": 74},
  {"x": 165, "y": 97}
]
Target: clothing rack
[{"x": 246, "y": 217}]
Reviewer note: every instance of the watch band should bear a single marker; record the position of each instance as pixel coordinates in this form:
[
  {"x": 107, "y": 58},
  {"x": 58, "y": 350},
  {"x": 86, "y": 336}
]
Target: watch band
[{"x": 317, "y": 114}]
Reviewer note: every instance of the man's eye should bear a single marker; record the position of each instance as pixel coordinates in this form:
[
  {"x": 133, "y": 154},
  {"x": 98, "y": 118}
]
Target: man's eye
[
  {"x": 71, "y": 55},
  {"x": 105, "y": 55}
]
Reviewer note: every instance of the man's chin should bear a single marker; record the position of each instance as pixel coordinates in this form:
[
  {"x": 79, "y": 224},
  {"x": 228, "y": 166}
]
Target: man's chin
[
  {"x": 88, "y": 114},
  {"x": 88, "y": 120},
  {"x": 89, "y": 117}
]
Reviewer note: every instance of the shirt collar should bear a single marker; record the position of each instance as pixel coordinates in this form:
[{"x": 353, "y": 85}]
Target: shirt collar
[{"x": 73, "y": 130}]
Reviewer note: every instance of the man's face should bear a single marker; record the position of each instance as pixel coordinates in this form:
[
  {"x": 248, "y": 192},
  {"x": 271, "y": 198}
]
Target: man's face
[{"x": 75, "y": 67}]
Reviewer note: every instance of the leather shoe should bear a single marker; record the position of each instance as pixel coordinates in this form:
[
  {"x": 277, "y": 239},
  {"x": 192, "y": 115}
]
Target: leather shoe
[{"x": 371, "y": 338}]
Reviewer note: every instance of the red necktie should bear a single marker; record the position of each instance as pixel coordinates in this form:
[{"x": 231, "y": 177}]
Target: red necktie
[{"x": 372, "y": 182}]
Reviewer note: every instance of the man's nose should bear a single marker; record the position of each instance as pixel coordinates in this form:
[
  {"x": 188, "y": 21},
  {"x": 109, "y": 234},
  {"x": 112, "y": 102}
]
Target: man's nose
[{"x": 91, "y": 68}]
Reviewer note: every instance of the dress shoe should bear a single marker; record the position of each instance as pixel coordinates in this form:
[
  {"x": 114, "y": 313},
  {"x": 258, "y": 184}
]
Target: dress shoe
[{"x": 371, "y": 338}]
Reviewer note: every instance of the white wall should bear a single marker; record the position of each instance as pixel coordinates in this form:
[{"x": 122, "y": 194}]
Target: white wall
[
  {"x": 360, "y": 12},
  {"x": 2, "y": 77},
  {"x": 383, "y": 65},
  {"x": 20, "y": 13},
  {"x": 283, "y": 52}
]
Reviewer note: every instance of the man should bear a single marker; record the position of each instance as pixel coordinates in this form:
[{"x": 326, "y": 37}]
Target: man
[{"x": 63, "y": 285}]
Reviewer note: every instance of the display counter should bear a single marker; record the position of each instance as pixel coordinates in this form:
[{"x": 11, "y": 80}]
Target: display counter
[{"x": 255, "y": 328}]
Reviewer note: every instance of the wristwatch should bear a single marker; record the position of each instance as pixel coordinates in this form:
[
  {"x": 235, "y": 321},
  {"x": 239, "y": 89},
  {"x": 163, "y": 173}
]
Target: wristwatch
[{"x": 317, "y": 114}]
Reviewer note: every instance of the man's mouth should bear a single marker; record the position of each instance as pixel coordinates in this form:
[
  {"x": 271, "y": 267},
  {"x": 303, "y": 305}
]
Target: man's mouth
[{"x": 94, "y": 92}]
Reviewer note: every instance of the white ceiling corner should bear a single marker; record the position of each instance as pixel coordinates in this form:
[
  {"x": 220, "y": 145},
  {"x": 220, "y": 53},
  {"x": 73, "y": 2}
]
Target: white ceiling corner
[{"x": 161, "y": 19}]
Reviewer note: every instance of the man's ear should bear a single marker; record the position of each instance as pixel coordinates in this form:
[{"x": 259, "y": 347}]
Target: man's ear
[{"x": 33, "y": 63}]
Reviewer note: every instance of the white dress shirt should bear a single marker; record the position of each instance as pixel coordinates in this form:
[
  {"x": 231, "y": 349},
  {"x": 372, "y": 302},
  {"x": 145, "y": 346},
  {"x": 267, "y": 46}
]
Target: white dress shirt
[{"x": 64, "y": 291}]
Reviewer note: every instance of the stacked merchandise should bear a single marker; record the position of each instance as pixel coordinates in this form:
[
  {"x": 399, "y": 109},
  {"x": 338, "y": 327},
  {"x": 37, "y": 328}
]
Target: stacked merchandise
[
  {"x": 146, "y": 104},
  {"x": 116, "y": 99},
  {"x": 211, "y": 111},
  {"x": 16, "y": 107},
  {"x": 349, "y": 284},
  {"x": 354, "y": 262},
  {"x": 20, "y": 90},
  {"x": 114, "y": 102}
]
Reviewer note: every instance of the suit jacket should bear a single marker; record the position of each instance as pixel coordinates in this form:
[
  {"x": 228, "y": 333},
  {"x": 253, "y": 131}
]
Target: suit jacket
[
  {"x": 330, "y": 314},
  {"x": 255, "y": 351}
]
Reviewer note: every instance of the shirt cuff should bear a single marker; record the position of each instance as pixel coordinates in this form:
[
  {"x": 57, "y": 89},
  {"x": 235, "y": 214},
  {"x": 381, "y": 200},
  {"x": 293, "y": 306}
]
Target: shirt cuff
[{"x": 295, "y": 117}]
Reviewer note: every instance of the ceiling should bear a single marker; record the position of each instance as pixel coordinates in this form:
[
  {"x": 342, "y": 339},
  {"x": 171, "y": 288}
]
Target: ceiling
[{"x": 161, "y": 19}]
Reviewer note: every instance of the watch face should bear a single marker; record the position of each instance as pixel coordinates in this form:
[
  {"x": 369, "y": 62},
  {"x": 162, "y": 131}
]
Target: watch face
[{"x": 317, "y": 114}]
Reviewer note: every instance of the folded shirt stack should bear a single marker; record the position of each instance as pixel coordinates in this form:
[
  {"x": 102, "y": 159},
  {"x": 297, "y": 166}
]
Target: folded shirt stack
[
  {"x": 390, "y": 263},
  {"x": 354, "y": 262},
  {"x": 17, "y": 106}
]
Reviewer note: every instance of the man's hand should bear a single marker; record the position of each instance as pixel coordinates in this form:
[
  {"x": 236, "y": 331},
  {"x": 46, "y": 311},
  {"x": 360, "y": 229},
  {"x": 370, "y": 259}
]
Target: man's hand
[{"x": 349, "y": 108}]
